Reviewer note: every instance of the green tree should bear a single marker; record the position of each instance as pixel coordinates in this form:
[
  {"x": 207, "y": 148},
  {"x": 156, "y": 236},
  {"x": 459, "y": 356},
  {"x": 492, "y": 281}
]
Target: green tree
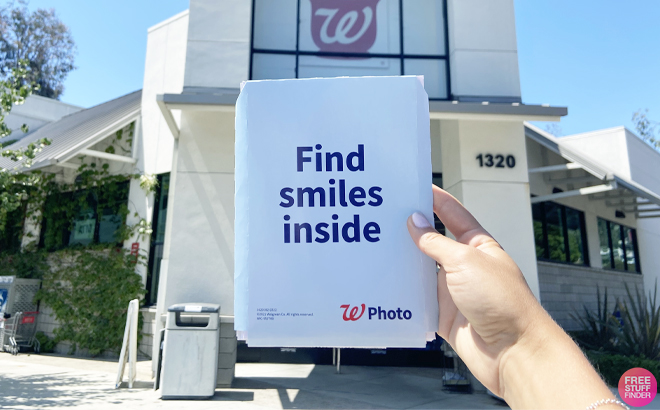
[
  {"x": 554, "y": 129},
  {"x": 40, "y": 38},
  {"x": 647, "y": 129},
  {"x": 14, "y": 186}
]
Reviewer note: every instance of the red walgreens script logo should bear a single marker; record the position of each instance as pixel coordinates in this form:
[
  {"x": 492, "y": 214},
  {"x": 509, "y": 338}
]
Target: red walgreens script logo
[
  {"x": 353, "y": 313},
  {"x": 344, "y": 26}
]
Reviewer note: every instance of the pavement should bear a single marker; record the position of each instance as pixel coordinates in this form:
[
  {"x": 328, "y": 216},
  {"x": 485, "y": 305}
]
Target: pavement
[{"x": 30, "y": 381}]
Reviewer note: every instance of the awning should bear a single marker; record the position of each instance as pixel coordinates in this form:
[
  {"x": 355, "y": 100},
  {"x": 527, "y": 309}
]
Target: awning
[
  {"x": 223, "y": 99},
  {"x": 74, "y": 134},
  {"x": 195, "y": 98},
  {"x": 595, "y": 181},
  {"x": 494, "y": 111}
]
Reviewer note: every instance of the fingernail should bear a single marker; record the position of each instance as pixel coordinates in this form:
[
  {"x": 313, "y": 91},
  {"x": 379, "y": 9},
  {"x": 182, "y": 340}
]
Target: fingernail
[{"x": 420, "y": 221}]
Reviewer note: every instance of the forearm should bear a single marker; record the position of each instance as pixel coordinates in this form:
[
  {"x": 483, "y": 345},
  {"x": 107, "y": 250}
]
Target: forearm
[{"x": 547, "y": 370}]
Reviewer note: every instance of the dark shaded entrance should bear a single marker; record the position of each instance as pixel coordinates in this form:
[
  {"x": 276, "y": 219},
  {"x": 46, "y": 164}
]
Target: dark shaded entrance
[{"x": 431, "y": 356}]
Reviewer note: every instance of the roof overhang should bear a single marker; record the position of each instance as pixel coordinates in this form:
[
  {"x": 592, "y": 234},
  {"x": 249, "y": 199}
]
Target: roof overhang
[
  {"x": 600, "y": 183},
  {"x": 75, "y": 135},
  {"x": 489, "y": 111},
  {"x": 222, "y": 100},
  {"x": 83, "y": 146}
]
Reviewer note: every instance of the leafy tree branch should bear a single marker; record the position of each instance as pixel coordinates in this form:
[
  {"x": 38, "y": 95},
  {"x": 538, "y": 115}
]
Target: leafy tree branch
[
  {"x": 41, "y": 39},
  {"x": 646, "y": 128}
]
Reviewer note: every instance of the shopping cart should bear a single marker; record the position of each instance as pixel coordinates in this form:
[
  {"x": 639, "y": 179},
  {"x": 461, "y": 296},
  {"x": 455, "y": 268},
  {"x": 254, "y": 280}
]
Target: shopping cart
[{"x": 21, "y": 328}]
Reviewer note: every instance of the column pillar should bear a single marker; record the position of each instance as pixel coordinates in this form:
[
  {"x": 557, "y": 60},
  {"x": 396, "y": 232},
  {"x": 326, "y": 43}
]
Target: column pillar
[
  {"x": 198, "y": 255},
  {"x": 496, "y": 192}
]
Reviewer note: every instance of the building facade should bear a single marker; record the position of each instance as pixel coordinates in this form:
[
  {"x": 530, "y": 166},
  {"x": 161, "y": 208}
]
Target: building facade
[{"x": 576, "y": 213}]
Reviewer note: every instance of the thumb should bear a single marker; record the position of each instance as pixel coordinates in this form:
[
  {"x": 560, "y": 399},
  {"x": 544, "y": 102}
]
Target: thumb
[{"x": 431, "y": 242}]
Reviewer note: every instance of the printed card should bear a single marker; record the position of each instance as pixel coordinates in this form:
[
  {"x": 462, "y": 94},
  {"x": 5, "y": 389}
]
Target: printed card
[{"x": 327, "y": 173}]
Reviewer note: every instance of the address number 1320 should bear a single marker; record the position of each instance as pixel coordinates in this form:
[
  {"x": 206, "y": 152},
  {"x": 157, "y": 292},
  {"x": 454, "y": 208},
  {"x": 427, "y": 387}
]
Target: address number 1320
[{"x": 497, "y": 161}]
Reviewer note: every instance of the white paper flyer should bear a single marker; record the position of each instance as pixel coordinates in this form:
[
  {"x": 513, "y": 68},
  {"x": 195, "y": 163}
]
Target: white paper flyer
[{"x": 327, "y": 173}]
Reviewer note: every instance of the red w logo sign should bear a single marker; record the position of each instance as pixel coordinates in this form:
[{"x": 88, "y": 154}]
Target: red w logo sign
[
  {"x": 353, "y": 314},
  {"x": 344, "y": 26}
]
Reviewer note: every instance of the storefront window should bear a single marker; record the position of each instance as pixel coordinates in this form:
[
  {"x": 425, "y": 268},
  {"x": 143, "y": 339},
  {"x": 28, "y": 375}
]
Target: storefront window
[
  {"x": 275, "y": 24},
  {"x": 93, "y": 219},
  {"x": 539, "y": 233},
  {"x": 554, "y": 231},
  {"x": 574, "y": 221},
  {"x": 559, "y": 233},
  {"x": 109, "y": 223},
  {"x": 605, "y": 245},
  {"x": 630, "y": 245},
  {"x": 422, "y": 33},
  {"x": 84, "y": 224},
  {"x": 618, "y": 246},
  {"x": 157, "y": 237},
  {"x": 330, "y": 38},
  {"x": 10, "y": 237},
  {"x": 437, "y": 181}
]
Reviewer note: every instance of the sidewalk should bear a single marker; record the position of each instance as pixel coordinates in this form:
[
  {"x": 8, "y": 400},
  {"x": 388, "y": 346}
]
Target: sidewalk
[{"x": 40, "y": 381}]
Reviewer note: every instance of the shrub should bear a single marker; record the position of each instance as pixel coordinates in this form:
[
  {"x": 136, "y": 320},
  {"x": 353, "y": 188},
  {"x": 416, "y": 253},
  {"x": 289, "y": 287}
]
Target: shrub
[
  {"x": 635, "y": 333},
  {"x": 89, "y": 291},
  {"x": 612, "y": 366},
  {"x": 28, "y": 265},
  {"x": 47, "y": 344},
  {"x": 598, "y": 330},
  {"x": 639, "y": 334},
  {"x": 618, "y": 345}
]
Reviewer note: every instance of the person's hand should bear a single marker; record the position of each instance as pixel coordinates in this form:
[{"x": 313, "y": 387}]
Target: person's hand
[
  {"x": 493, "y": 321},
  {"x": 485, "y": 304}
]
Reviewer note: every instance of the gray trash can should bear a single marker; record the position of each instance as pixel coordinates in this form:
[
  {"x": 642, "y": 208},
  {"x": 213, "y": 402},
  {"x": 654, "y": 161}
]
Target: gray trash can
[{"x": 190, "y": 351}]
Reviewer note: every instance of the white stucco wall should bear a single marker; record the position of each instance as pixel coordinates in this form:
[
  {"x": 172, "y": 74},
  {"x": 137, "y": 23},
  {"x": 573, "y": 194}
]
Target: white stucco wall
[
  {"x": 153, "y": 142},
  {"x": 218, "y": 43},
  {"x": 607, "y": 147},
  {"x": 163, "y": 73},
  {"x": 483, "y": 51},
  {"x": 644, "y": 162},
  {"x": 648, "y": 237},
  {"x": 200, "y": 263},
  {"x": 497, "y": 197},
  {"x": 198, "y": 255},
  {"x": 645, "y": 169}
]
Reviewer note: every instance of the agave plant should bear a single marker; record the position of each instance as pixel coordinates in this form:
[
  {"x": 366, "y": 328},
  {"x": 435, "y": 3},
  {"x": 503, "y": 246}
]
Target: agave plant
[
  {"x": 639, "y": 334},
  {"x": 599, "y": 329}
]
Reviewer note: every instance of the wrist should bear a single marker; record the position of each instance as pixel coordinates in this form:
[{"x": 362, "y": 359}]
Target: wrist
[
  {"x": 531, "y": 347},
  {"x": 546, "y": 369}
]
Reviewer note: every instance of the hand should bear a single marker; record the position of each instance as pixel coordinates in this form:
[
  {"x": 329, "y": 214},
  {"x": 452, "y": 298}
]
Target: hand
[
  {"x": 493, "y": 321},
  {"x": 485, "y": 304}
]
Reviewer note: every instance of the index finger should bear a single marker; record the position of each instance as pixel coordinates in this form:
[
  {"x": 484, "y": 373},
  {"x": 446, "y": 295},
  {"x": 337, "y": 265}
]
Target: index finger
[{"x": 458, "y": 220}]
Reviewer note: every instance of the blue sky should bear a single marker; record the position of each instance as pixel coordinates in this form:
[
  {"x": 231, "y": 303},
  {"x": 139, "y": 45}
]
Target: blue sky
[
  {"x": 112, "y": 41},
  {"x": 600, "y": 58}
]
